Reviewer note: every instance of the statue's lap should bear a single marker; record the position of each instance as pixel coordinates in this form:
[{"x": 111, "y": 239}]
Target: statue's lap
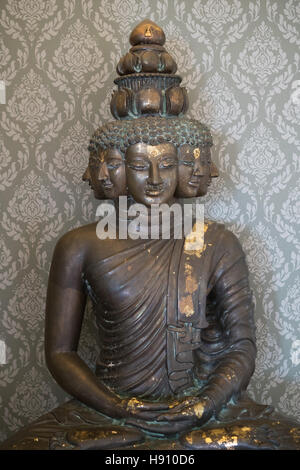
[{"x": 73, "y": 425}]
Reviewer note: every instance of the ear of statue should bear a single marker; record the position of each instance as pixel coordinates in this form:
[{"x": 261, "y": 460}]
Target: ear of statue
[
  {"x": 86, "y": 175},
  {"x": 214, "y": 172}
]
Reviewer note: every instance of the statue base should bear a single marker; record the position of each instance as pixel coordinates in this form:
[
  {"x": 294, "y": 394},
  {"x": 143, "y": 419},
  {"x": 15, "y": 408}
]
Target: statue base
[{"x": 73, "y": 426}]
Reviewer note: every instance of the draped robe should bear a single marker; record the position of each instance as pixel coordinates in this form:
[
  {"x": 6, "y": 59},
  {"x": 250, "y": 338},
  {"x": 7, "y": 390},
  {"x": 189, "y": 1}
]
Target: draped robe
[{"x": 172, "y": 321}]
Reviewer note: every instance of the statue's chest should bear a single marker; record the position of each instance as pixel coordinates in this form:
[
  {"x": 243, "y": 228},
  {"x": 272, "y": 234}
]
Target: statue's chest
[{"x": 130, "y": 279}]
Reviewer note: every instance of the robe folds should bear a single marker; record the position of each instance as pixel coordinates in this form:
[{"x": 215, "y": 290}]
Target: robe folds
[{"x": 174, "y": 322}]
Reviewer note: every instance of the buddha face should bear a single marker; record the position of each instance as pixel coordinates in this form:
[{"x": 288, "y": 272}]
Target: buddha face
[
  {"x": 112, "y": 174},
  {"x": 151, "y": 172},
  {"x": 195, "y": 171},
  {"x": 106, "y": 174}
]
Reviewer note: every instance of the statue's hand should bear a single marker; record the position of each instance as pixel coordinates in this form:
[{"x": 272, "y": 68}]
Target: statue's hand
[
  {"x": 193, "y": 410},
  {"x": 179, "y": 417},
  {"x": 145, "y": 410}
]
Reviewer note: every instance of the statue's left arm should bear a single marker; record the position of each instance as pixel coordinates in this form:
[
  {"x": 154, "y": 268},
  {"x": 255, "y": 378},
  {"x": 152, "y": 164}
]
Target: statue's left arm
[
  {"x": 231, "y": 366},
  {"x": 229, "y": 287}
]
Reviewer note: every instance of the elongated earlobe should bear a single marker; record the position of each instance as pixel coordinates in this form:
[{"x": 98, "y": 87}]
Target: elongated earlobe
[
  {"x": 86, "y": 175},
  {"x": 214, "y": 172}
]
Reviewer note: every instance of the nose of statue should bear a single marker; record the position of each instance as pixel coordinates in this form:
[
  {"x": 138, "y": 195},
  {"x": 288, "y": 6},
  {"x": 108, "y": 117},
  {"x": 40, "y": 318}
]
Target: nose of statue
[
  {"x": 154, "y": 176},
  {"x": 103, "y": 172},
  {"x": 214, "y": 172},
  {"x": 198, "y": 168}
]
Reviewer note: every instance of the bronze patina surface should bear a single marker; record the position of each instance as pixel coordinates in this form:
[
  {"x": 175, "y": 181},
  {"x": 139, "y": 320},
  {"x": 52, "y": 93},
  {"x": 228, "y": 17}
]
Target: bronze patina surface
[{"x": 176, "y": 328}]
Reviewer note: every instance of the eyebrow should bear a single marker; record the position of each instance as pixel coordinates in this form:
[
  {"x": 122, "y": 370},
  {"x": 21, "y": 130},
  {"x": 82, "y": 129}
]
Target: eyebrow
[
  {"x": 137, "y": 155},
  {"x": 167, "y": 153},
  {"x": 114, "y": 157},
  {"x": 186, "y": 157}
]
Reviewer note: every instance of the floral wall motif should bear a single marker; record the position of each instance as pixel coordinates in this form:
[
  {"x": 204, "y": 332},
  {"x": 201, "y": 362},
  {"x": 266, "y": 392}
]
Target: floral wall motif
[{"x": 239, "y": 61}]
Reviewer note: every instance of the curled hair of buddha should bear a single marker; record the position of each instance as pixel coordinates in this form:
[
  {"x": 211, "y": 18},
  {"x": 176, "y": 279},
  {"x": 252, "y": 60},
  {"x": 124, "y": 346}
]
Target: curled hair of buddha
[{"x": 151, "y": 130}]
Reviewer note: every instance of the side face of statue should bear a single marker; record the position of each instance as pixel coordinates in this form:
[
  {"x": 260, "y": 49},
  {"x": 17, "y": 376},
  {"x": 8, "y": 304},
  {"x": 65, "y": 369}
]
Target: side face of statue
[
  {"x": 195, "y": 170},
  {"x": 106, "y": 174}
]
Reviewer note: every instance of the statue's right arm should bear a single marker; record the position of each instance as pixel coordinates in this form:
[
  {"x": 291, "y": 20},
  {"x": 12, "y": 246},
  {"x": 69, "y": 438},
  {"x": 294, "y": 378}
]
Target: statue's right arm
[{"x": 65, "y": 307}]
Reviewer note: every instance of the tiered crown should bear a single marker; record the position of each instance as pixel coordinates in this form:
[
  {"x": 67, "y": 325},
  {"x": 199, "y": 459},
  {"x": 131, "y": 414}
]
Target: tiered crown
[
  {"x": 149, "y": 104},
  {"x": 147, "y": 84}
]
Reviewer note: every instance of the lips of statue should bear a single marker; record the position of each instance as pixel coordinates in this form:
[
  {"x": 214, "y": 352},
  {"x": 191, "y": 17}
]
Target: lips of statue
[
  {"x": 151, "y": 172},
  {"x": 111, "y": 173}
]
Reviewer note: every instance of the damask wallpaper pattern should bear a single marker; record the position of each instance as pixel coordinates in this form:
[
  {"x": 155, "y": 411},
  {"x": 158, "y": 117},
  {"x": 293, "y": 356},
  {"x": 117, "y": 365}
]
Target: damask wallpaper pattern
[{"x": 240, "y": 61}]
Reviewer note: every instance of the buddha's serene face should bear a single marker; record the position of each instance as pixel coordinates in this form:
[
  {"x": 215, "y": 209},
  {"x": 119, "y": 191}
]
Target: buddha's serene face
[
  {"x": 106, "y": 174},
  {"x": 112, "y": 174},
  {"x": 195, "y": 171},
  {"x": 151, "y": 172}
]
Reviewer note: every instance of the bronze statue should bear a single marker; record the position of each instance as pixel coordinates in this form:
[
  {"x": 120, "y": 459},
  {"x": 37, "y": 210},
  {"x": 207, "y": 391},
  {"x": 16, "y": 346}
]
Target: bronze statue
[{"x": 176, "y": 328}]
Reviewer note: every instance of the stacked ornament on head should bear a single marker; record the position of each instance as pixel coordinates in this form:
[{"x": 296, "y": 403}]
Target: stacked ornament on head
[
  {"x": 147, "y": 82},
  {"x": 149, "y": 99}
]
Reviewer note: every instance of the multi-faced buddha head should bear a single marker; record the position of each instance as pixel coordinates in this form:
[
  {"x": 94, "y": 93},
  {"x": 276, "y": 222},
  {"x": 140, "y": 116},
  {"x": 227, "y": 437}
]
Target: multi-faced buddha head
[
  {"x": 165, "y": 154},
  {"x": 151, "y": 146},
  {"x": 106, "y": 173},
  {"x": 195, "y": 170}
]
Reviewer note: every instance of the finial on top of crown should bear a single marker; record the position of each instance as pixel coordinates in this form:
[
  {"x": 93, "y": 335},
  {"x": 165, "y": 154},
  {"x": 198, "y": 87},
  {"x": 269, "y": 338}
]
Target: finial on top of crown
[
  {"x": 147, "y": 32},
  {"x": 147, "y": 84}
]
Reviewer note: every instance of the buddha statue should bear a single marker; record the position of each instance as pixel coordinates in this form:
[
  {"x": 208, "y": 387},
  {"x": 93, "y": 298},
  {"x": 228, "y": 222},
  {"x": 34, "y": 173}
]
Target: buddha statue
[{"x": 176, "y": 328}]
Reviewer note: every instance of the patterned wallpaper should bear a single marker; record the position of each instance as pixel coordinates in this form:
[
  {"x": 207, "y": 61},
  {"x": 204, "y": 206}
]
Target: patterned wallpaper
[{"x": 239, "y": 60}]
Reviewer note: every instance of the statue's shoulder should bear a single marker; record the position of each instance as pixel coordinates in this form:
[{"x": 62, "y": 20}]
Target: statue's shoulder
[
  {"x": 213, "y": 226},
  {"x": 76, "y": 241},
  {"x": 223, "y": 237}
]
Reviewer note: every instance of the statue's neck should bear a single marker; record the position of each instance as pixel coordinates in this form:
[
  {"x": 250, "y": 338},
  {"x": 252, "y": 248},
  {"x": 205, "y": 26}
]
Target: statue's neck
[
  {"x": 145, "y": 219},
  {"x": 128, "y": 207}
]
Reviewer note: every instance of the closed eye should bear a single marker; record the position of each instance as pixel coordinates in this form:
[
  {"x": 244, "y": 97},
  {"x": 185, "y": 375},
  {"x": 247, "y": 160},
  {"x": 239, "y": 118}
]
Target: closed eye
[
  {"x": 139, "y": 166},
  {"x": 168, "y": 163},
  {"x": 114, "y": 164},
  {"x": 186, "y": 162}
]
